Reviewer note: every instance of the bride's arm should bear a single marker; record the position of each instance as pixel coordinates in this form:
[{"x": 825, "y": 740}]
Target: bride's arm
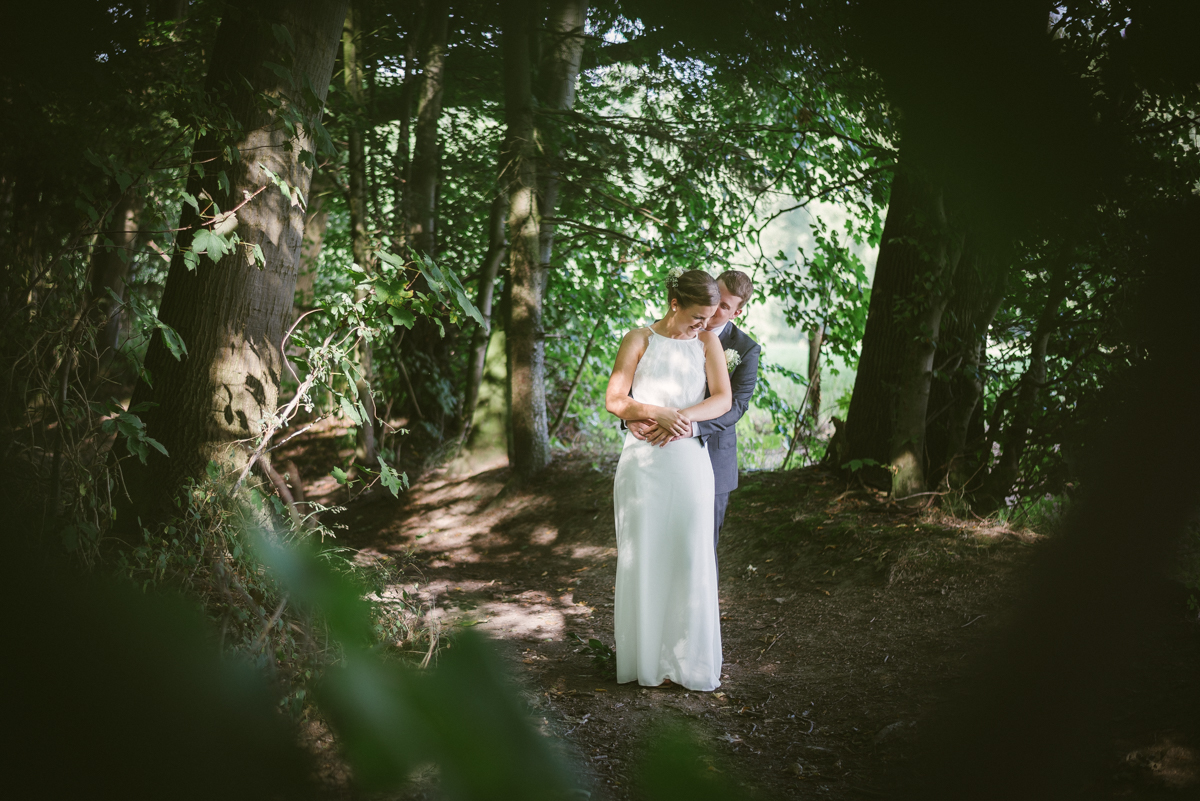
[
  {"x": 618, "y": 401},
  {"x": 720, "y": 397}
]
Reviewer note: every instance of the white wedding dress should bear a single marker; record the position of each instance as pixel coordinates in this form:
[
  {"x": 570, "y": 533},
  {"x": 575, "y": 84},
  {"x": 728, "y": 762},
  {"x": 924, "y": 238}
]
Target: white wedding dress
[{"x": 666, "y": 617}]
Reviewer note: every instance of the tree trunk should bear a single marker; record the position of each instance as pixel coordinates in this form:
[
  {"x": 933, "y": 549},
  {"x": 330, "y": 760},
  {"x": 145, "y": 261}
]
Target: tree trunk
[
  {"x": 425, "y": 161},
  {"x": 483, "y": 334},
  {"x": 426, "y": 341},
  {"x": 316, "y": 222},
  {"x": 559, "y": 74},
  {"x": 530, "y": 445},
  {"x": 232, "y": 315},
  {"x": 1004, "y": 473},
  {"x": 110, "y": 267},
  {"x": 360, "y": 246},
  {"x": 402, "y": 164},
  {"x": 815, "y": 338},
  {"x": 916, "y": 370},
  {"x": 917, "y": 257},
  {"x": 978, "y": 291}
]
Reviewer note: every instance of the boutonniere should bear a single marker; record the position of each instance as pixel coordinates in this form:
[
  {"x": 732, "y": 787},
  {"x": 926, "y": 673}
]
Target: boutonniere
[{"x": 732, "y": 359}]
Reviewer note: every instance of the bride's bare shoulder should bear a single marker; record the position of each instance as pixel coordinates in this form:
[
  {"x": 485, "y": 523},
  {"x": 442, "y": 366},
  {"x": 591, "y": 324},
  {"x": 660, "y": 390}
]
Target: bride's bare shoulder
[
  {"x": 638, "y": 337},
  {"x": 709, "y": 339}
]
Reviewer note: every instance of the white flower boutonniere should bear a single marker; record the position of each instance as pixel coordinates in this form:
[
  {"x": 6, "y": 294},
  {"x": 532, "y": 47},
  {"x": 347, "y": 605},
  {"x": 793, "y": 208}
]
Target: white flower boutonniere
[{"x": 732, "y": 359}]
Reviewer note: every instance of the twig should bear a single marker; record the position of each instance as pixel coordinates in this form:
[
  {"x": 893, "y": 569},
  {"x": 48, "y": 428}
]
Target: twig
[
  {"x": 964, "y": 625},
  {"x": 562, "y": 413},
  {"x": 288, "y": 336},
  {"x": 769, "y": 647},
  {"x": 284, "y": 416},
  {"x": 261, "y": 640}
]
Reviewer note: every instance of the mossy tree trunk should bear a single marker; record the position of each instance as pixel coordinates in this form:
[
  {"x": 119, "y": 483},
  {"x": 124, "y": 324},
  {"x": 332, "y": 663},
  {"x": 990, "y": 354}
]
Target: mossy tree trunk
[
  {"x": 530, "y": 440},
  {"x": 232, "y": 315},
  {"x": 366, "y": 443},
  {"x": 917, "y": 258}
]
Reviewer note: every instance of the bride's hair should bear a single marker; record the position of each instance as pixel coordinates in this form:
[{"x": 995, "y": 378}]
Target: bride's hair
[{"x": 693, "y": 288}]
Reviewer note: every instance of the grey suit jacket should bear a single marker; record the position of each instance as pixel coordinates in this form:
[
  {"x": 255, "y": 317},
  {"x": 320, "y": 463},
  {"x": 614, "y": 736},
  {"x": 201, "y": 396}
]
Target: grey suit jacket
[{"x": 720, "y": 434}]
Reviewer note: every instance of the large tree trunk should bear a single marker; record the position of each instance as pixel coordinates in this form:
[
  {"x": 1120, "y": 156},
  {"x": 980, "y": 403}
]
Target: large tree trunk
[
  {"x": 232, "y": 315},
  {"x": 487, "y": 289},
  {"x": 427, "y": 345},
  {"x": 978, "y": 291},
  {"x": 360, "y": 246},
  {"x": 917, "y": 257},
  {"x": 530, "y": 443}
]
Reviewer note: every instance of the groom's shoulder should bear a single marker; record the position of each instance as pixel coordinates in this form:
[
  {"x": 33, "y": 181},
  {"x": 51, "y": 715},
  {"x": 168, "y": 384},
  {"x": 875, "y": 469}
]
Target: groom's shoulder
[{"x": 742, "y": 340}]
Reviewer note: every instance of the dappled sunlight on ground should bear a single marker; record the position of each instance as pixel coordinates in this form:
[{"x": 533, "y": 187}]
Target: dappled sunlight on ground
[{"x": 845, "y": 619}]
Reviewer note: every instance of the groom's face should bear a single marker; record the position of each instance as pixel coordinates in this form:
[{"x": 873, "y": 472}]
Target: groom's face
[{"x": 729, "y": 307}]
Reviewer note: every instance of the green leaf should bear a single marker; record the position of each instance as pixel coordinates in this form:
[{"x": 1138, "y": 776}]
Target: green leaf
[
  {"x": 340, "y": 475},
  {"x": 280, "y": 70},
  {"x": 448, "y": 288},
  {"x": 349, "y": 410},
  {"x": 172, "y": 340},
  {"x": 283, "y": 36},
  {"x": 402, "y": 317},
  {"x": 392, "y": 480}
]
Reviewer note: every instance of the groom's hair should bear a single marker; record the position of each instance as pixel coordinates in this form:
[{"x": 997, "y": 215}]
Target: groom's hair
[{"x": 738, "y": 283}]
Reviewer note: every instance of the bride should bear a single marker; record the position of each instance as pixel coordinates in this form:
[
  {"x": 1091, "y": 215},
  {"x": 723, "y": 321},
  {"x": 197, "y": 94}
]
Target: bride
[{"x": 665, "y": 613}]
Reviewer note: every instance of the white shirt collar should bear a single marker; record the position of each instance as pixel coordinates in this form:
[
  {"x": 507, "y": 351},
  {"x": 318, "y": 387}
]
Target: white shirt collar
[{"x": 721, "y": 330}]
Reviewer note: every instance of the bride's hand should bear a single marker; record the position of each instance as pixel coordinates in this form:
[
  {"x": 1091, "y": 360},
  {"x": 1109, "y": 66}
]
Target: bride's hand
[{"x": 674, "y": 421}]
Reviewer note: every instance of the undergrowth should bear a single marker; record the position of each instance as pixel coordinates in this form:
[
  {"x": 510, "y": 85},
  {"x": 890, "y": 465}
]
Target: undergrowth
[{"x": 206, "y": 551}]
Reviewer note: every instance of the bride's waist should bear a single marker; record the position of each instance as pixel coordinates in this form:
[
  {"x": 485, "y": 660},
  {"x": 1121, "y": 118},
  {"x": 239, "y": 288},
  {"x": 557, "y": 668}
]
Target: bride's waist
[{"x": 632, "y": 442}]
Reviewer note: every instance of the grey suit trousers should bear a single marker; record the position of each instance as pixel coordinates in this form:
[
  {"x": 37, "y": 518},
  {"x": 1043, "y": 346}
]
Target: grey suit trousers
[{"x": 719, "y": 507}]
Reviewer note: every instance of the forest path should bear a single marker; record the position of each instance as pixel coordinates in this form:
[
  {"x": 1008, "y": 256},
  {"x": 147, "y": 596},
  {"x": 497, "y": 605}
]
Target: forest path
[{"x": 844, "y": 620}]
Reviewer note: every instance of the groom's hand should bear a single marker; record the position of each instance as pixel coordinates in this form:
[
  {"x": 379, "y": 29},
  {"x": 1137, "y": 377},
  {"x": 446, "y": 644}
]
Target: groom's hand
[
  {"x": 660, "y": 437},
  {"x": 641, "y": 428}
]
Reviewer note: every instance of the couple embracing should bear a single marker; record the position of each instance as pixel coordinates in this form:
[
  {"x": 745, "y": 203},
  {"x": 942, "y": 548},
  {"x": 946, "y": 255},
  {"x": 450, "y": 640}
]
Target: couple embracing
[{"x": 680, "y": 385}]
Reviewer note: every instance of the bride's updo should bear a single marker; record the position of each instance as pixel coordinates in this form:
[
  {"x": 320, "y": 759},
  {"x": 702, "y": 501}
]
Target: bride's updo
[{"x": 692, "y": 288}]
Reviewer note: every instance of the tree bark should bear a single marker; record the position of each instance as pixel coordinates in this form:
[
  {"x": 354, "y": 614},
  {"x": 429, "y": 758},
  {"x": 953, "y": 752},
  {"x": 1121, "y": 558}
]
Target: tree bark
[
  {"x": 976, "y": 295},
  {"x": 917, "y": 258},
  {"x": 427, "y": 339},
  {"x": 360, "y": 246},
  {"x": 110, "y": 267},
  {"x": 815, "y": 338},
  {"x": 530, "y": 445},
  {"x": 316, "y": 222},
  {"x": 487, "y": 289},
  {"x": 559, "y": 75},
  {"x": 232, "y": 315},
  {"x": 912, "y": 399},
  {"x": 426, "y": 161}
]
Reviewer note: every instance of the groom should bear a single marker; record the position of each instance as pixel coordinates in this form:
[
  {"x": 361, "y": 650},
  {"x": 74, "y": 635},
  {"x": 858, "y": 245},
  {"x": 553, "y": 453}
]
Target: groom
[{"x": 720, "y": 435}]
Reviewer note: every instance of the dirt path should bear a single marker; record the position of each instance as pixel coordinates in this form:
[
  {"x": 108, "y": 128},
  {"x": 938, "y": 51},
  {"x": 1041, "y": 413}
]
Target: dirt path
[{"x": 843, "y": 622}]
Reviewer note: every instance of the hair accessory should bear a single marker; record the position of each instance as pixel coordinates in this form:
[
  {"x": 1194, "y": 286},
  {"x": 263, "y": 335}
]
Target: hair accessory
[{"x": 673, "y": 276}]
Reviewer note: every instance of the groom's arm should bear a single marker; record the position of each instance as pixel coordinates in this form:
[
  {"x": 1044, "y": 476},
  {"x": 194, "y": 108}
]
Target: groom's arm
[{"x": 743, "y": 381}]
